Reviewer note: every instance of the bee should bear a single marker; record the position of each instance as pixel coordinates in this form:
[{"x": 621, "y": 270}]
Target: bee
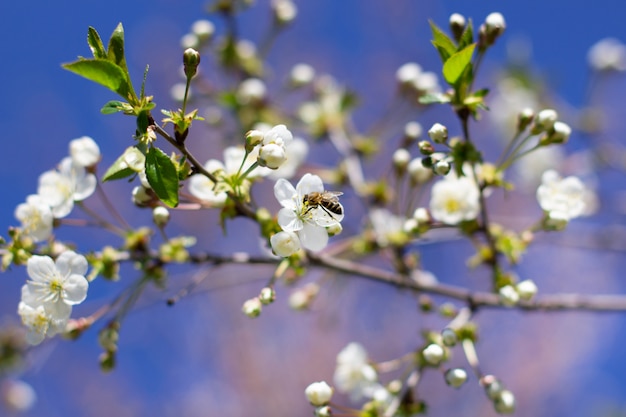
[{"x": 328, "y": 201}]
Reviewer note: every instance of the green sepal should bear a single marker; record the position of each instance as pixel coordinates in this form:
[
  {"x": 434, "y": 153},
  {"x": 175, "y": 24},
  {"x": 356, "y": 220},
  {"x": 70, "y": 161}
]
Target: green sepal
[
  {"x": 103, "y": 72},
  {"x": 445, "y": 46},
  {"x": 162, "y": 176},
  {"x": 456, "y": 65},
  {"x": 95, "y": 44},
  {"x": 118, "y": 170}
]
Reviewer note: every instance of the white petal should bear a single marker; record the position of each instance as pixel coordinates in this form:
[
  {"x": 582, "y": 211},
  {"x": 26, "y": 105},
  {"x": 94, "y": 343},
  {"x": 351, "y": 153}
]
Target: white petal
[
  {"x": 309, "y": 183},
  {"x": 84, "y": 151},
  {"x": 75, "y": 289},
  {"x": 312, "y": 237},
  {"x": 288, "y": 220},
  {"x": 40, "y": 268},
  {"x": 85, "y": 186},
  {"x": 69, "y": 262},
  {"x": 285, "y": 193}
]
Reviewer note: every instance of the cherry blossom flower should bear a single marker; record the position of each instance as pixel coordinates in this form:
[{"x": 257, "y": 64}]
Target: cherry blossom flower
[
  {"x": 319, "y": 393},
  {"x": 561, "y": 198},
  {"x": 40, "y": 322},
  {"x": 285, "y": 243},
  {"x": 84, "y": 151},
  {"x": 60, "y": 188},
  {"x": 308, "y": 220},
  {"x": 454, "y": 199},
  {"x": 36, "y": 218},
  {"x": 56, "y": 286},
  {"x": 353, "y": 373}
]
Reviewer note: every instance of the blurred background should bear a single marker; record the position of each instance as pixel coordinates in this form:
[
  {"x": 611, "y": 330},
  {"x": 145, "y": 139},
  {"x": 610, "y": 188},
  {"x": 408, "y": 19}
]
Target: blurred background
[{"x": 202, "y": 357}]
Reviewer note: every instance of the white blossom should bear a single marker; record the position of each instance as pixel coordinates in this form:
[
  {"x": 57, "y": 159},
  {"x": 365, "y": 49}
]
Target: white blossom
[
  {"x": 561, "y": 198},
  {"x": 84, "y": 151},
  {"x": 297, "y": 151},
  {"x": 40, "y": 322},
  {"x": 413, "y": 130},
  {"x": 386, "y": 225},
  {"x": 200, "y": 186},
  {"x": 36, "y": 218},
  {"x": 526, "y": 289},
  {"x": 284, "y": 10},
  {"x": 353, "y": 374},
  {"x": 418, "y": 173},
  {"x": 508, "y": 295},
  {"x": 433, "y": 354},
  {"x": 319, "y": 393},
  {"x": 273, "y": 152},
  {"x": 454, "y": 199},
  {"x": 309, "y": 221},
  {"x": 56, "y": 285},
  {"x": 252, "y": 307},
  {"x": 438, "y": 133},
  {"x": 607, "y": 54},
  {"x": 251, "y": 90},
  {"x": 408, "y": 73},
  {"x": 301, "y": 74},
  {"x": 60, "y": 188},
  {"x": 203, "y": 29},
  {"x": 160, "y": 216}
]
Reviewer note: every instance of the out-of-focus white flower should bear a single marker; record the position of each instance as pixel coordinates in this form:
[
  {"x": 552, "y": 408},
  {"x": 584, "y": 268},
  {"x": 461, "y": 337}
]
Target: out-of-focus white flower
[
  {"x": 177, "y": 92},
  {"x": 454, "y": 199},
  {"x": 17, "y": 395},
  {"x": 408, "y": 73},
  {"x": 40, "y": 322},
  {"x": 285, "y": 243},
  {"x": 203, "y": 188},
  {"x": 385, "y": 225},
  {"x": 608, "y": 54},
  {"x": 252, "y": 307},
  {"x": 59, "y": 189},
  {"x": 284, "y": 10},
  {"x": 495, "y": 22},
  {"x": 457, "y": 19},
  {"x": 508, "y": 295},
  {"x": 203, "y": 29},
  {"x": 84, "y": 151},
  {"x": 301, "y": 298},
  {"x": 319, "y": 393},
  {"x": 189, "y": 40},
  {"x": 526, "y": 289},
  {"x": 160, "y": 216},
  {"x": 36, "y": 218},
  {"x": 413, "y": 130},
  {"x": 561, "y": 198},
  {"x": 140, "y": 195},
  {"x": 301, "y": 74},
  {"x": 418, "y": 173},
  {"x": 531, "y": 167},
  {"x": 56, "y": 285},
  {"x": 308, "y": 219},
  {"x": 353, "y": 374},
  {"x": 251, "y": 90},
  {"x": 427, "y": 82},
  {"x": 509, "y": 98}
]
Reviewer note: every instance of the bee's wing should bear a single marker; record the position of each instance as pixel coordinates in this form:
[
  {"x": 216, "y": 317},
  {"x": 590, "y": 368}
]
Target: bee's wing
[{"x": 325, "y": 218}]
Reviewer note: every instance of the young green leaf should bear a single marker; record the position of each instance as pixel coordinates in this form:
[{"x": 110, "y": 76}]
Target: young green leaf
[
  {"x": 436, "y": 98},
  {"x": 467, "y": 37},
  {"x": 95, "y": 44},
  {"x": 454, "y": 67},
  {"x": 442, "y": 42},
  {"x": 102, "y": 72},
  {"x": 162, "y": 176},
  {"x": 113, "y": 107},
  {"x": 116, "y": 48}
]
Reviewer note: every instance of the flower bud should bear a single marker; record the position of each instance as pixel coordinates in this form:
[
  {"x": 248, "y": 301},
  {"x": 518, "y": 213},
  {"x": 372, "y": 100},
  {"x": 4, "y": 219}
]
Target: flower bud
[
  {"x": 508, "y": 295},
  {"x": 425, "y": 147},
  {"x": 253, "y": 138},
  {"x": 560, "y": 133},
  {"x": 272, "y": 156},
  {"x": 324, "y": 411},
  {"x": 285, "y": 11},
  {"x": 442, "y": 167},
  {"x": 160, "y": 216},
  {"x": 285, "y": 243},
  {"x": 544, "y": 121},
  {"x": 449, "y": 337},
  {"x": 421, "y": 215},
  {"x": 524, "y": 119},
  {"x": 457, "y": 25},
  {"x": 191, "y": 60},
  {"x": 504, "y": 403},
  {"x": 433, "y": 354},
  {"x": 493, "y": 386},
  {"x": 455, "y": 377},
  {"x": 141, "y": 197},
  {"x": 526, "y": 289},
  {"x": 495, "y": 24},
  {"x": 438, "y": 133},
  {"x": 267, "y": 295},
  {"x": 252, "y": 307},
  {"x": 319, "y": 393}
]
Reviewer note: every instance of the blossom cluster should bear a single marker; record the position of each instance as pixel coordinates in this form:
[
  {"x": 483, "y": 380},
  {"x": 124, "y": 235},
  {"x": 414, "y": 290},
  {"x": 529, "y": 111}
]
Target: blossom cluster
[{"x": 55, "y": 285}]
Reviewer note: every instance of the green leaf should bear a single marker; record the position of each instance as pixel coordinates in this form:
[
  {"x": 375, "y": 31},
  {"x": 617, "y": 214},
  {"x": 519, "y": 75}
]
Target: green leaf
[
  {"x": 454, "y": 67},
  {"x": 118, "y": 170},
  {"x": 442, "y": 42},
  {"x": 162, "y": 176},
  {"x": 467, "y": 37},
  {"x": 102, "y": 72},
  {"x": 113, "y": 107},
  {"x": 115, "y": 51},
  {"x": 95, "y": 44},
  {"x": 143, "y": 121}
]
